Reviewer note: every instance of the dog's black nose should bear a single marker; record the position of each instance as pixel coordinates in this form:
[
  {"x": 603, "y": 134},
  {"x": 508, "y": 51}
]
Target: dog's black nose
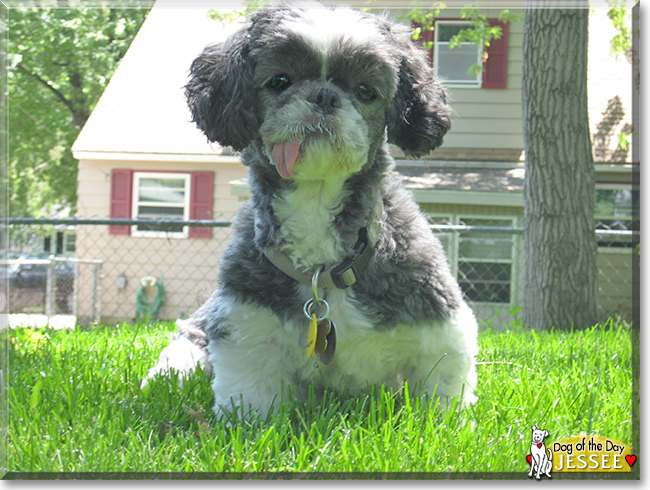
[{"x": 326, "y": 100}]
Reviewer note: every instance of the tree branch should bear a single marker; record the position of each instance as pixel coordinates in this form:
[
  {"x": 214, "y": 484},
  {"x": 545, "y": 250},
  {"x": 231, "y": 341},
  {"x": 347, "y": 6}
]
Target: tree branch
[{"x": 45, "y": 83}]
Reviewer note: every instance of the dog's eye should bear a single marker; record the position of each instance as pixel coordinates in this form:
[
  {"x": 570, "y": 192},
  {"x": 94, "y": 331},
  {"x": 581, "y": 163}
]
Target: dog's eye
[
  {"x": 366, "y": 92},
  {"x": 279, "y": 83}
]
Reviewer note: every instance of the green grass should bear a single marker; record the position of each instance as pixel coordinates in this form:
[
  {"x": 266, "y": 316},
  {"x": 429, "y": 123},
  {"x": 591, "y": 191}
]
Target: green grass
[{"x": 75, "y": 405}]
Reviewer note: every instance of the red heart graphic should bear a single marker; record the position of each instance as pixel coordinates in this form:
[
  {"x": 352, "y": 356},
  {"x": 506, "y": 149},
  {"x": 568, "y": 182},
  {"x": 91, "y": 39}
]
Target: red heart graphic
[
  {"x": 530, "y": 459},
  {"x": 539, "y": 445},
  {"x": 631, "y": 459}
]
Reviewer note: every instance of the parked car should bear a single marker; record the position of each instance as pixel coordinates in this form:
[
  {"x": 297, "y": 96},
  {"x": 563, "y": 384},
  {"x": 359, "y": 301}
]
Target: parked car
[{"x": 26, "y": 275}]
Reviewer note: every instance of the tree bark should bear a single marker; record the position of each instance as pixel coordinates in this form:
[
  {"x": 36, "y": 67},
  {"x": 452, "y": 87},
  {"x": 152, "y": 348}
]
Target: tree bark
[{"x": 560, "y": 272}]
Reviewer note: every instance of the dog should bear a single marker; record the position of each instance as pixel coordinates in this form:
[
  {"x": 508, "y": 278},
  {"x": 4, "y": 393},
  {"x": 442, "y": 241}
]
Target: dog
[
  {"x": 333, "y": 280},
  {"x": 541, "y": 462}
]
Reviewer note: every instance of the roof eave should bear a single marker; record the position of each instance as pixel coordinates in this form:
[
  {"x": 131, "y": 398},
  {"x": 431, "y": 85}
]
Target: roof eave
[{"x": 155, "y": 157}]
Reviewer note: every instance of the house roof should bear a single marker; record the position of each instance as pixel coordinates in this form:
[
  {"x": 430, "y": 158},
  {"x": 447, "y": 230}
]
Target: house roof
[{"x": 143, "y": 109}]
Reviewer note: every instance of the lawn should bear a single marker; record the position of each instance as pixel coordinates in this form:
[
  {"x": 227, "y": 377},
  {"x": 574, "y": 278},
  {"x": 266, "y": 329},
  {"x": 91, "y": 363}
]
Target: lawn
[{"x": 75, "y": 405}]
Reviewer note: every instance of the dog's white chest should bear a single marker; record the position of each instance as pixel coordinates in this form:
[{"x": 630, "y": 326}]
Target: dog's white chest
[{"x": 306, "y": 217}]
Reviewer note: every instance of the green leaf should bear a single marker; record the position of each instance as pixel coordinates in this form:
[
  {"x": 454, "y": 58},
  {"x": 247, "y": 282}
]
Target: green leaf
[
  {"x": 60, "y": 61},
  {"x": 35, "y": 398}
]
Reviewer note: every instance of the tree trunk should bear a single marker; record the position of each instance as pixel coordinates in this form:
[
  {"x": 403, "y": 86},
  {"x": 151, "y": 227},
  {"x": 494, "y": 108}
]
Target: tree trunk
[{"x": 560, "y": 283}]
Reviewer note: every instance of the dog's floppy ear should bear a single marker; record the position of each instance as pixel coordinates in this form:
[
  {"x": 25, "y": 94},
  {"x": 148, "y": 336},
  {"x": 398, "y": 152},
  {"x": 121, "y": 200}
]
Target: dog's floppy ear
[
  {"x": 220, "y": 94},
  {"x": 419, "y": 115}
]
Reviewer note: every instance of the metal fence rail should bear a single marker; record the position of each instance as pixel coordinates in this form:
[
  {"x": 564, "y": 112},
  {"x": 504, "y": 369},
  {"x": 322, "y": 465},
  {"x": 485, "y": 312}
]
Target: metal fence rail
[{"x": 110, "y": 270}]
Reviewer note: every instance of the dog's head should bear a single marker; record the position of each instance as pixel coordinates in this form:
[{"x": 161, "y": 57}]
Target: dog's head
[
  {"x": 539, "y": 435},
  {"x": 317, "y": 87}
]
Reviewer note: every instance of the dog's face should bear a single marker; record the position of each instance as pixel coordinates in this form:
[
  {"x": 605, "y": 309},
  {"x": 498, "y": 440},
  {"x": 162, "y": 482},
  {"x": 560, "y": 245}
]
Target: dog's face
[
  {"x": 317, "y": 90},
  {"x": 538, "y": 435},
  {"x": 323, "y": 99}
]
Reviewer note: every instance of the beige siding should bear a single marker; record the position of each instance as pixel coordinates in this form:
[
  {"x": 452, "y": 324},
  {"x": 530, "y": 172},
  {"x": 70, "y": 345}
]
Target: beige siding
[
  {"x": 187, "y": 267},
  {"x": 483, "y": 118},
  {"x": 95, "y": 182},
  {"x": 491, "y": 118}
]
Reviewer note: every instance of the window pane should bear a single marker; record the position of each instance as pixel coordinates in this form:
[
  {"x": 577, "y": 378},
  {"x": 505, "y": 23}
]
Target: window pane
[
  {"x": 445, "y": 31},
  {"x": 162, "y": 182},
  {"x": 485, "y": 261},
  {"x": 485, "y": 282},
  {"x": 164, "y": 228},
  {"x": 157, "y": 212},
  {"x": 485, "y": 247},
  {"x": 162, "y": 190},
  {"x": 162, "y": 195},
  {"x": 454, "y": 63},
  {"x": 614, "y": 203},
  {"x": 501, "y": 223}
]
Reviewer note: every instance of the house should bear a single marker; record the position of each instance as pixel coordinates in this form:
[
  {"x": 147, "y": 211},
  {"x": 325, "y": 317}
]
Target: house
[{"x": 139, "y": 142}]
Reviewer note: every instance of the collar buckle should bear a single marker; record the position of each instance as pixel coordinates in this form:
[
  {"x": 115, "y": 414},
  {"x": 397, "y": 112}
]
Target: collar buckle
[{"x": 347, "y": 272}]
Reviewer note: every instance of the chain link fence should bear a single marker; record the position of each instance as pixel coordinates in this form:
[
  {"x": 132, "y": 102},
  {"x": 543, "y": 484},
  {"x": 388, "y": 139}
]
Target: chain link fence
[{"x": 119, "y": 270}]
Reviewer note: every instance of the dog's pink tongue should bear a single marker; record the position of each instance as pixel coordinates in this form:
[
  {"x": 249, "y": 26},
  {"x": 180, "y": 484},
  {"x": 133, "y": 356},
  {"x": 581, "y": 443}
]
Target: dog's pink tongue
[{"x": 284, "y": 156}]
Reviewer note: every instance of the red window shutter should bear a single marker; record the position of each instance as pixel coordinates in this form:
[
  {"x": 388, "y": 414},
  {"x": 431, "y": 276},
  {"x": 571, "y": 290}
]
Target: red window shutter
[
  {"x": 201, "y": 202},
  {"x": 121, "y": 196},
  {"x": 495, "y": 67}
]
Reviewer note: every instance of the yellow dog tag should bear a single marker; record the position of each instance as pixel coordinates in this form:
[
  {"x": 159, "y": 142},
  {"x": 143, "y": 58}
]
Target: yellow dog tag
[{"x": 312, "y": 333}]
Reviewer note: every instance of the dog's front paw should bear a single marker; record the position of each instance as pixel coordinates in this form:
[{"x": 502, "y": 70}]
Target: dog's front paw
[{"x": 181, "y": 355}]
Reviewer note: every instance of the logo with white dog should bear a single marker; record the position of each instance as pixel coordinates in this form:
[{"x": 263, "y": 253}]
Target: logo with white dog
[
  {"x": 577, "y": 454},
  {"x": 540, "y": 457}
]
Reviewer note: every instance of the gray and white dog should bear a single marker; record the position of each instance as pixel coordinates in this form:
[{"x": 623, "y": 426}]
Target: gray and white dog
[{"x": 332, "y": 278}]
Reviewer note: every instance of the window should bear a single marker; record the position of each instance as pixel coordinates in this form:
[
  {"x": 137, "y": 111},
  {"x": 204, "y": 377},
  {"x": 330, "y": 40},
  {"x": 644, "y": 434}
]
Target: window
[
  {"x": 161, "y": 196},
  {"x": 453, "y": 64},
  {"x": 485, "y": 261},
  {"x": 481, "y": 260},
  {"x": 69, "y": 242},
  {"x": 168, "y": 195},
  {"x": 614, "y": 208}
]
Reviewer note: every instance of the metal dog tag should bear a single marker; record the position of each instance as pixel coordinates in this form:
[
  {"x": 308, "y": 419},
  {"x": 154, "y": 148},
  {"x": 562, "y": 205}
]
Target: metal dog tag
[
  {"x": 324, "y": 328},
  {"x": 326, "y": 341}
]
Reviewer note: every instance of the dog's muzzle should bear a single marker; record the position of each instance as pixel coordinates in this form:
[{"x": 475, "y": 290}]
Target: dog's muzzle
[{"x": 325, "y": 100}]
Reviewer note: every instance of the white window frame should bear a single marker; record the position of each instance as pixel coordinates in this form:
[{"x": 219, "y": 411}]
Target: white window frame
[
  {"x": 436, "y": 56},
  {"x": 137, "y": 176}
]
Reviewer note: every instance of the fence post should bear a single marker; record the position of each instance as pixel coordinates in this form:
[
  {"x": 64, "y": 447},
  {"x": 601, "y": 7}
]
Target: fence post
[
  {"x": 75, "y": 291},
  {"x": 95, "y": 307},
  {"x": 100, "y": 276},
  {"x": 50, "y": 287}
]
